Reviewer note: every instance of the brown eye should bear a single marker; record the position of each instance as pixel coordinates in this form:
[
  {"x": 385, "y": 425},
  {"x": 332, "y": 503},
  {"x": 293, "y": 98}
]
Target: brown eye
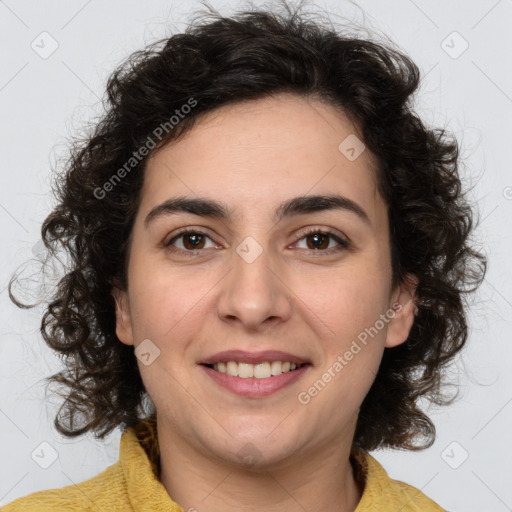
[
  {"x": 319, "y": 241},
  {"x": 192, "y": 240}
]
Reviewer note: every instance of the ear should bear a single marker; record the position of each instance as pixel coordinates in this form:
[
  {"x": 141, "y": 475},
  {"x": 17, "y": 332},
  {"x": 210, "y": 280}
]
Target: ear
[
  {"x": 403, "y": 304},
  {"x": 123, "y": 317}
]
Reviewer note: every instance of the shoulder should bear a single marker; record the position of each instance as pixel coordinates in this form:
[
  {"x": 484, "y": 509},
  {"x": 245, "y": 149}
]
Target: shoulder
[
  {"x": 131, "y": 483},
  {"x": 102, "y": 492},
  {"x": 385, "y": 494},
  {"x": 106, "y": 491}
]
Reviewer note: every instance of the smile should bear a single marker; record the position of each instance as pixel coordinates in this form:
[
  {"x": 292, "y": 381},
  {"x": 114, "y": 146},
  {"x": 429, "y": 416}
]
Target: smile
[
  {"x": 262, "y": 370},
  {"x": 262, "y": 382}
]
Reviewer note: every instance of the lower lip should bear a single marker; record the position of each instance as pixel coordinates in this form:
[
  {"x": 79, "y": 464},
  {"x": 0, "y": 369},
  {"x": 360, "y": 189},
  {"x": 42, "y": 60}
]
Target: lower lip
[{"x": 256, "y": 387}]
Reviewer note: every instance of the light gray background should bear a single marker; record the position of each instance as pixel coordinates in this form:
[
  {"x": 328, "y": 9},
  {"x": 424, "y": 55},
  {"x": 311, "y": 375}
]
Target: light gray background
[{"x": 43, "y": 101}]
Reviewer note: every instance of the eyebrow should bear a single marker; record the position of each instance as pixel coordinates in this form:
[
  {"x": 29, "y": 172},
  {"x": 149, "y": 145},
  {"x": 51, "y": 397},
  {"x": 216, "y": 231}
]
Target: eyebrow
[{"x": 296, "y": 206}]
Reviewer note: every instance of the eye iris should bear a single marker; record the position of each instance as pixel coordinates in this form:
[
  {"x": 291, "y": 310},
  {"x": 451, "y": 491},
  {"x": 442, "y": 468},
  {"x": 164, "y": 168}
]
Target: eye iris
[
  {"x": 193, "y": 236},
  {"x": 316, "y": 237},
  {"x": 320, "y": 241}
]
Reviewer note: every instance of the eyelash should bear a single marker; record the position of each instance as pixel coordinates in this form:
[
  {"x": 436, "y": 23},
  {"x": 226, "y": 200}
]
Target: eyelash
[{"x": 344, "y": 244}]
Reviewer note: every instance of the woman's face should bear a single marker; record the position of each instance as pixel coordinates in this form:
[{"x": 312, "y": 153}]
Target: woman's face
[{"x": 308, "y": 283}]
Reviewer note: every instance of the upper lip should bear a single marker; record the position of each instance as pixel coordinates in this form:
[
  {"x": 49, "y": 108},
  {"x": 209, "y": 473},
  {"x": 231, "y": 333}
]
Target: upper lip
[{"x": 242, "y": 356}]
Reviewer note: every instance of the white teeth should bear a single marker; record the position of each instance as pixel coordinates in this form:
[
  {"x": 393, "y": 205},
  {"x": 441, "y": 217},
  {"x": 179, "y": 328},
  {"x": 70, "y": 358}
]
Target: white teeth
[
  {"x": 276, "y": 368},
  {"x": 258, "y": 371},
  {"x": 245, "y": 370},
  {"x": 232, "y": 368},
  {"x": 262, "y": 370}
]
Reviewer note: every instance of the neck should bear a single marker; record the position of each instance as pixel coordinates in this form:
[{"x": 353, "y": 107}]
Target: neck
[{"x": 323, "y": 480}]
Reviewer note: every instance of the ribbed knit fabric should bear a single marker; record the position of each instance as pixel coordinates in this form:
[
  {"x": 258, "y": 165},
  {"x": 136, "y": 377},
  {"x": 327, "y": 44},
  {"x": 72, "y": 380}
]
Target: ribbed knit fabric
[{"x": 132, "y": 485}]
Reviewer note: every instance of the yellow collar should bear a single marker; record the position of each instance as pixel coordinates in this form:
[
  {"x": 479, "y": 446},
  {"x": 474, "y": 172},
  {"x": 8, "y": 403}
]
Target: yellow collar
[{"x": 140, "y": 461}]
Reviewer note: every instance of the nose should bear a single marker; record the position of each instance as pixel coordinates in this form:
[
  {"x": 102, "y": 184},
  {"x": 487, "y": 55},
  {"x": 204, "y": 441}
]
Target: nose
[{"x": 254, "y": 293}]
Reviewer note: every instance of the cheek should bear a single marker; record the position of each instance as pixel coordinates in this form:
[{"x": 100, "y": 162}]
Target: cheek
[
  {"x": 164, "y": 301},
  {"x": 347, "y": 301}
]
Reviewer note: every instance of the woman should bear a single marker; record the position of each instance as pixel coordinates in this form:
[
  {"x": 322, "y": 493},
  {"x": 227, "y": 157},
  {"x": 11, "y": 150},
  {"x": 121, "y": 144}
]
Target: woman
[{"x": 268, "y": 243}]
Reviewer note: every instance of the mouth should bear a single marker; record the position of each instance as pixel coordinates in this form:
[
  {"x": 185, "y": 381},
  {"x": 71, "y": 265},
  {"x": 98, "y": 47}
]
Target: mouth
[
  {"x": 252, "y": 374},
  {"x": 262, "y": 370}
]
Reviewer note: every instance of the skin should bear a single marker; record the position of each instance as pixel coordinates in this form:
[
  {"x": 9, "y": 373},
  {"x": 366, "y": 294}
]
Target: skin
[{"x": 253, "y": 156}]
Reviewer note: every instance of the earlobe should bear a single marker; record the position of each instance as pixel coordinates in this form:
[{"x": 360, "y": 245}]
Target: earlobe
[
  {"x": 123, "y": 317},
  {"x": 404, "y": 311}
]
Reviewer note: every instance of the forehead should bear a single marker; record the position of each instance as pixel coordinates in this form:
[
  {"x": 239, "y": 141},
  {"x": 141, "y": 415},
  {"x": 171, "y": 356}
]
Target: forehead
[{"x": 276, "y": 147}]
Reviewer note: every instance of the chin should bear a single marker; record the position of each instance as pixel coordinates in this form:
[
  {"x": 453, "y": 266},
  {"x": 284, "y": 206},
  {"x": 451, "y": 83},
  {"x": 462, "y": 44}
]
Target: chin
[{"x": 259, "y": 451}]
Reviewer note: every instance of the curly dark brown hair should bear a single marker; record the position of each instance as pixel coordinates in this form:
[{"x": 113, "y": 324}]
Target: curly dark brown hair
[{"x": 220, "y": 60}]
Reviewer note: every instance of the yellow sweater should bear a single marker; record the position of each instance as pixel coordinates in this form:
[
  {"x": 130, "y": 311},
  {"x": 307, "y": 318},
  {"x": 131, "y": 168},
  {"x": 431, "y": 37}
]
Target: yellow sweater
[{"x": 132, "y": 485}]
